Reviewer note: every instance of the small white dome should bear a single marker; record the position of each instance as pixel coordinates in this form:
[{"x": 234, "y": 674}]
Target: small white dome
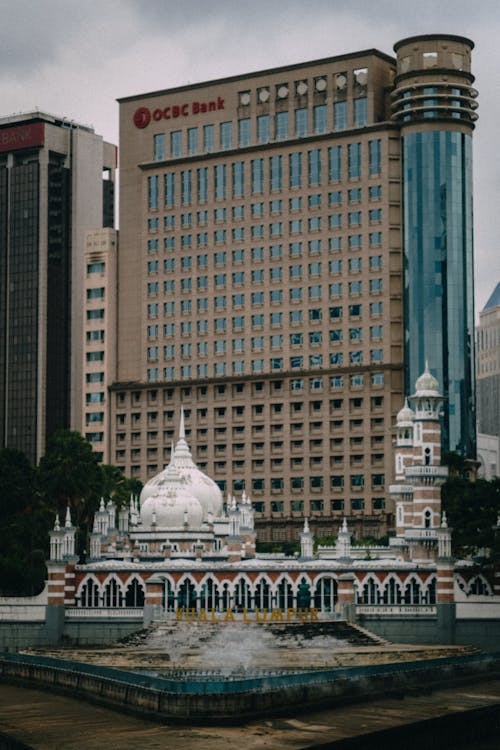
[
  {"x": 426, "y": 384},
  {"x": 405, "y": 416}
]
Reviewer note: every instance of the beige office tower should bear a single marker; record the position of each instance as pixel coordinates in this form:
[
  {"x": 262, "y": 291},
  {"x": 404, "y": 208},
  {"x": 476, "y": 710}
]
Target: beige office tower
[
  {"x": 99, "y": 337},
  {"x": 260, "y": 285}
]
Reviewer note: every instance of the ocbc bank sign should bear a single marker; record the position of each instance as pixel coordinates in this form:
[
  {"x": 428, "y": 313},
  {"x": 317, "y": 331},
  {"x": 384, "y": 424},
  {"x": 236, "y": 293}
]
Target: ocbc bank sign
[{"x": 143, "y": 115}]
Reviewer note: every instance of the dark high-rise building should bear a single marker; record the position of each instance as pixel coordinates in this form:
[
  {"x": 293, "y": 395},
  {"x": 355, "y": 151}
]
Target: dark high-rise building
[{"x": 56, "y": 181}]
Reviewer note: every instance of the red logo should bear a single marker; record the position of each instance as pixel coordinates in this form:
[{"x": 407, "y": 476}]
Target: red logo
[{"x": 142, "y": 117}]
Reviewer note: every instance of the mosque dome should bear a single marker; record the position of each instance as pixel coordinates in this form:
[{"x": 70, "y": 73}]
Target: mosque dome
[
  {"x": 194, "y": 482},
  {"x": 171, "y": 507},
  {"x": 405, "y": 416},
  {"x": 426, "y": 384}
]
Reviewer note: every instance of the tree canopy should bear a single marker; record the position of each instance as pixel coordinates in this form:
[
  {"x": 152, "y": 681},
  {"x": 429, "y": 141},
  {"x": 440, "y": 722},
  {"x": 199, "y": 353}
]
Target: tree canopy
[{"x": 69, "y": 474}]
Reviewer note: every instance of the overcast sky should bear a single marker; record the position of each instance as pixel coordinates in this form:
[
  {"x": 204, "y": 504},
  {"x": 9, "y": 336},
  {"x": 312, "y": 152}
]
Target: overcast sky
[{"x": 76, "y": 57}]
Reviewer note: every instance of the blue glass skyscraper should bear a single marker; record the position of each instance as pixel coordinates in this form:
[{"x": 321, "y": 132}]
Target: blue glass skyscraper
[{"x": 435, "y": 104}]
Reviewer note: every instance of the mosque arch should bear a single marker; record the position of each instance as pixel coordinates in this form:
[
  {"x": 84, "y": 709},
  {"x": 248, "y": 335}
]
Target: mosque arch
[
  {"x": 412, "y": 591},
  {"x": 391, "y": 592},
  {"x": 479, "y": 586},
  {"x": 263, "y": 593},
  {"x": 325, "y": 594},
  {"x": 284, "y": 593},
  {"x": 369, "y": 591},
  {"x": 209, "y": 593},
  {"x": 429, "y": 591},
  {"x": 134, "y": 592},
  {"x": 242, "y": 594},
  {"x": 187, "y": 592},
  {"x": 89, "y": 592},
  {"x": 113, "y": 593}
]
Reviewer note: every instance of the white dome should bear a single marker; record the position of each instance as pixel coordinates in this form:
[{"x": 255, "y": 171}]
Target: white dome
[
  {"x": 171, "y": 509},
  {"x": 426, "y": 384},
  {"x": 405, "y": 416},
  {"x": 194, "y": 481}
]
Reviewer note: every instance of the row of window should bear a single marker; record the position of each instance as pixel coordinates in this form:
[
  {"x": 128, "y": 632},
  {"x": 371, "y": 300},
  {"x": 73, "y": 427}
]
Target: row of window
[
  {"x": 271, "y": 174},
  {"x": 258, "y": 209},
  {"x": 274, "y": 364},
  {"x": 222, "y": 390},
  {"x": 263, "y": 129}
]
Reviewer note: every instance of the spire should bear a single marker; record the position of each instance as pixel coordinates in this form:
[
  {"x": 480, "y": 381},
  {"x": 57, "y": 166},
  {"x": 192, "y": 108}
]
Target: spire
[
  {"x": 344, "y": 525},
  {"x": 306, "y": 525},
  {"x": 57, "y": 525},
  {"x": 68, "y": 523},
  {"x": 182, "y": 431},
  {"x": 101, "y": 506}
]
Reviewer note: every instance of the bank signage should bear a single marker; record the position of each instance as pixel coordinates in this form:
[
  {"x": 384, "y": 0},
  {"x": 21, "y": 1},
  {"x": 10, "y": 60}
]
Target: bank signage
[
  {"x": 22, "y": 136},
  {"x": 144, "y": 115}
]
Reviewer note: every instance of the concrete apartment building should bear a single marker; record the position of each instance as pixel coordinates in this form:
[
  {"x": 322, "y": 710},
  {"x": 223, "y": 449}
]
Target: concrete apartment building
[
  {"x": 99, "y": 337},
  {"x": 56, "y": 181},
  {"x": 266, "y": 221}
]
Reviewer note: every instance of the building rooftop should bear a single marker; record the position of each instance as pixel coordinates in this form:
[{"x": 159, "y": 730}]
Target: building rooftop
[{"x": 494, "y": 300}]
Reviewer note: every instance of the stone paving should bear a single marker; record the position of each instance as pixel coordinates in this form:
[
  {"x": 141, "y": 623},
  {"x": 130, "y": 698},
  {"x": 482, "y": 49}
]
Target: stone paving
[{"x": 45, "y": 721}]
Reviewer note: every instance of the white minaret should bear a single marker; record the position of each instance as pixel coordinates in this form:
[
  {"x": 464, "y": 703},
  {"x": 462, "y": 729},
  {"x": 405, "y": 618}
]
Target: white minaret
[{"x": 306, "y": 542}]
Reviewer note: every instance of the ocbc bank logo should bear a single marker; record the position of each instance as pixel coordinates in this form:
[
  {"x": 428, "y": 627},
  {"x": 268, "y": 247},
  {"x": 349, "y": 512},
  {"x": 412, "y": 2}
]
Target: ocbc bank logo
[{"x": 142, "y": 117}]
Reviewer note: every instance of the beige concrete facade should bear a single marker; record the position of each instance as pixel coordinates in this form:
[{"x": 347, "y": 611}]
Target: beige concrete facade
[
  {"x": 260, "y": 286},
  {"x": 99, "y": 347}
]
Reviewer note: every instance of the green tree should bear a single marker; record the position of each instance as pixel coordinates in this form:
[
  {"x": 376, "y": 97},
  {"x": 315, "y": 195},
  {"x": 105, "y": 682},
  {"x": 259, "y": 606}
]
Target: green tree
[
  {"x": 70, "y": 475},
  {"x": 472, "y": 509}
]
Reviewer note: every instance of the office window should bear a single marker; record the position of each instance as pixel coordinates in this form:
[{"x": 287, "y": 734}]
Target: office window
[
  {"x": 276, "y": 296},
  {"x": 296, "y": 339},
  {"x": 375, "y": 192},
  {"x": 176, "y": 143},
  {"x": 335, "y": 221},
  {"x": 375, "y": 262},
  {"x": 186, "y": 175},
  {"x": 263, "y": 129},
  {"x": 320, "y": 118},
  {"x": 202, "y": 187},
  {"x": 355, "y": 265},
  {"x": 376, "y": 308},
  {"x": 340, "y": 115},
  {"x": 295, "y": 249},
  {"x": 354, "y": 160},
  {"x": 257, "y": 298},
  {"x": 295, "y": 226},
  {"x": 375, "y": 157},
  {"x": 376, "y": 355},
  {"x": 355, "y": 288},
  {"x": 295, "y": 294},
  {"x": 295, "y": 166},
  {"x": 208, "y": 138},
  {"x": 244, "y": 131},
  {"x": 238, "y": 182},
  {"x": 295, "y": 317},
  {"x": 159, "y": 146},
  {"x": 354, "y": 242},
  {"x": 226, "y": 135},
  {"x": 153, "y": 192},
  {"x": 281, "y": 126},
  {"x": 375, "y": 286},
  {"x": 314, "y": 159},
  {"x": 336, "y": 358},
  {"x": 335, "y": 163},
  {"x": 98, "y": 292},
  {"x": 360, "y": 112},
  {"x": 335, "y": 289},
  {"x": 301, "y": 115},
  {"x": 257, "y": 166},
  {"x": 276, "y": 172},
  {"x": 375, "y": 239},
  {"x": 375, "y": 215},
  {"x": 192, "y": 139},
  {"x": 220, "y": 175},
  {"x": 336, "y": 335}
]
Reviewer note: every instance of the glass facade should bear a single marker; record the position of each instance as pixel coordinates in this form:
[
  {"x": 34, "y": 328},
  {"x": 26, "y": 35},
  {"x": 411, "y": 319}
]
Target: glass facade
[{"x": 439, "y": 278}]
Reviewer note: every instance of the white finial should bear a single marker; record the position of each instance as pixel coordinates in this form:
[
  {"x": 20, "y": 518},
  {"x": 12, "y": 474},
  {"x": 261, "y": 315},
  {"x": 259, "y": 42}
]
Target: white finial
[
  {"x": 182, "y": 431},
  {"x": 68, "y": 523},
  {"x": 57, "y": 525},
  {"x": 444, "y": 520},
  {"x": 344, "y": 525},
  {"x": 306, "y": 525},
  {"x": 101, "y": 506}
]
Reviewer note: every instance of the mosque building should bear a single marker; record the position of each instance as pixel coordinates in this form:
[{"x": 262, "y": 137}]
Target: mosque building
[{"x": 178, "y": 552}]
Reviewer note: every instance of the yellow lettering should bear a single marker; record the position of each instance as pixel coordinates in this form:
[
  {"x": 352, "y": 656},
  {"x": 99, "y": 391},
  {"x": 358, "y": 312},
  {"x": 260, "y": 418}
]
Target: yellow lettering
[
  {"x": 291, "y": 613},
  {"x": 258, "y": 617},
  {"x": 202, "y": 617},
  {"x": 179, "y": 613},
  {"x": 245, "y": 618},
  {"x": 276, "y": 615},
  {"x": 229, "y": 616},
  {"x": 303, "y": 614},
  {"x": 214, "y": 618},
  {"x": 314, "y": 613},
  {"x": 190, "y": 614}
]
